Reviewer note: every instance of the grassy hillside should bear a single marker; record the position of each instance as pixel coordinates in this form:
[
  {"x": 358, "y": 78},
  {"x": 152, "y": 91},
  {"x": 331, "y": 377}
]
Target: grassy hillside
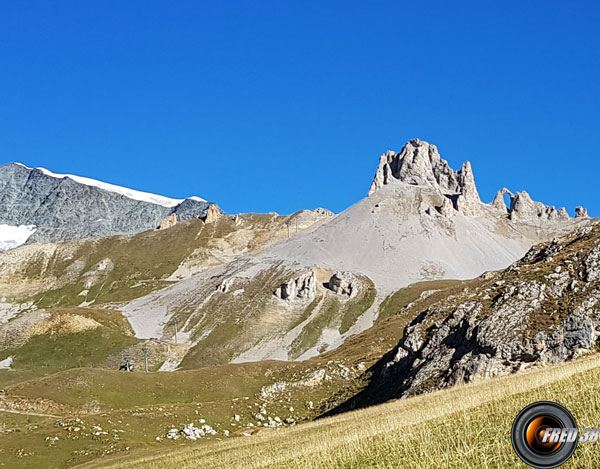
[
  {"x": 136, "y": 408},
  {"x": 67, "y": 338},
  {"x": 463, "y": 427},
  {"x": 137, "y": 266},
  {"x": 143, "y": 261},
  {"x": 144, "y": 406},
  {"x": 140, "y": 407},
  {"x": 121, "y": 268}
]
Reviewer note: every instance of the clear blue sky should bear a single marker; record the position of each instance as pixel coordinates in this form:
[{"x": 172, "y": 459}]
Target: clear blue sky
[{"x": 283, "y": 105}]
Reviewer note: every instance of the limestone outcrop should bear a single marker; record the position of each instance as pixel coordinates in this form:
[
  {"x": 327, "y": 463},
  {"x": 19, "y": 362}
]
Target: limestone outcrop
[
  {"x": 581, "y": 212},
  {"x": 468, "y": 201},
  {"x": 419, "y": 163},
  {"x": 212, "y": 214},
  {"x": 523, "y": 208},
  {"x": 344, "y": 284},
  {"x": 301, "y": 288},
  {"x": 168, "y": 222},
  {"x": 225, "y": 285},
  {"x": 306, "y": 218},
  {"x": 498, "y": 202},
  {"x": 447, "y": 208},
  {"x": 323, "y": 211}
]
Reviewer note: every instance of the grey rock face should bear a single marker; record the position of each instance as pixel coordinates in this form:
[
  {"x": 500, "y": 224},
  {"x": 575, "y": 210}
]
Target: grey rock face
[
  {"x": 581, "y": 212},
  {"x": 543, "y": 309},
  {"x": 63, "y": 209}
]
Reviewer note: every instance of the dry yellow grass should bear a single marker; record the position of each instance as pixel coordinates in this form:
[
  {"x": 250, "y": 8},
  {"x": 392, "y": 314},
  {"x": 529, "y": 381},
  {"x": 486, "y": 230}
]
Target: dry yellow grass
[{"x": 466, "y": 426}]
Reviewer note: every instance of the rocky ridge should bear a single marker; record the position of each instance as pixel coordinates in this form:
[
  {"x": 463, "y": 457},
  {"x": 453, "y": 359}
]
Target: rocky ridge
[
  {"x": 419, "y": 163},
  {"x": 168, "y": 222}
]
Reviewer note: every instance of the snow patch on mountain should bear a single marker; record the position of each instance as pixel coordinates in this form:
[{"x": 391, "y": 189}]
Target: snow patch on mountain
[
  {"x": 130, "y": 193},
  {"x": 13, "y": 236}
]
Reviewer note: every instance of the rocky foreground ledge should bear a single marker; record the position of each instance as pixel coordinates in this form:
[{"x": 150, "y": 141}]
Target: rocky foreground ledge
[{"x": 542, "y": 309}]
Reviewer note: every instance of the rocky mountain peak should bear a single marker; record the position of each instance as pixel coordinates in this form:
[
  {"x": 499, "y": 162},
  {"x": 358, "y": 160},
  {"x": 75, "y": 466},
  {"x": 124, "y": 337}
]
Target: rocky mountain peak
[{"x": 419, "y": 163}]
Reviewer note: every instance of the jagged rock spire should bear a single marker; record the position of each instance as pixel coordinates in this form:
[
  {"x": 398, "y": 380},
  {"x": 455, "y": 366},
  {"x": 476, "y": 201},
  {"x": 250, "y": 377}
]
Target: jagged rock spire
[
  {"x": 419, "y": 163},
  {"x": 468, "y": 201}
]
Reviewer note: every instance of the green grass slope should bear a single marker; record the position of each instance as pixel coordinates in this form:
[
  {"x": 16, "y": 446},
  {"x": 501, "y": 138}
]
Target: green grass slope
[
  {"x": 67, "y": 338},
  {"x": 464, "y": 427}
]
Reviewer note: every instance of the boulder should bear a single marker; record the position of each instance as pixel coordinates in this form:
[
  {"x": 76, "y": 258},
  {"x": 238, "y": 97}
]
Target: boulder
[{"x": 6, "y": 364}]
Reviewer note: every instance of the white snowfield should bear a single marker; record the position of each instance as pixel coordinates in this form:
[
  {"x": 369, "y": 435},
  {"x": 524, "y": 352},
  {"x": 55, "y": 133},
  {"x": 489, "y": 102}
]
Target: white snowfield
[
  {"x": 130, "y": 193},
  {"x": 14, "y": 236}
]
